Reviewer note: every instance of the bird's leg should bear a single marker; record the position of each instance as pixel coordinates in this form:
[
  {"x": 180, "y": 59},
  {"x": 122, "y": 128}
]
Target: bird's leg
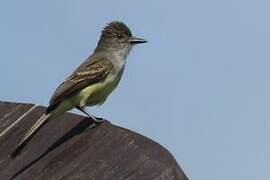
[{"x": 94, "y": 118}]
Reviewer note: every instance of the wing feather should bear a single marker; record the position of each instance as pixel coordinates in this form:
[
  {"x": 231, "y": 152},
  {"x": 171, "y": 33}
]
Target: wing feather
[{"x": 93, "y": 70}]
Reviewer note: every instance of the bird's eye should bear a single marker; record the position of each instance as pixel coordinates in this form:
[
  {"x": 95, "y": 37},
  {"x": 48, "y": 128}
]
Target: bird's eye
[{"x": 119, "y": 36}]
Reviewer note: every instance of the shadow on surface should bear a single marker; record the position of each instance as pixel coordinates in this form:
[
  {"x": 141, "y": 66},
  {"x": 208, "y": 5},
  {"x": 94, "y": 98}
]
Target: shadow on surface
[{"x": 78, "y": 129}]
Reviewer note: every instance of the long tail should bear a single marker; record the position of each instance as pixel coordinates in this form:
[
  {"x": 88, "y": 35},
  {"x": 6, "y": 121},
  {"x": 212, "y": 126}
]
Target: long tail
[{"x": 28, "y": 136}]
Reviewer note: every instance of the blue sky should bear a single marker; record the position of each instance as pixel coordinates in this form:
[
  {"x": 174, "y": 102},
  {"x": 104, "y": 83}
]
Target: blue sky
[{"x": 200, "y": 87}]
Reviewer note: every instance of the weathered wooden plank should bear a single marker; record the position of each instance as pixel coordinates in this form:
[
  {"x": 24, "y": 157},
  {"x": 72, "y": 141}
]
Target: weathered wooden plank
[
  {"x": 10, "y": 112},
  {"x": 70, "y": 147}
]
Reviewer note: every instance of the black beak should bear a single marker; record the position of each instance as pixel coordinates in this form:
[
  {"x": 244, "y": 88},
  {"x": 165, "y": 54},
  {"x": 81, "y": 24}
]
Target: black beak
[{"x": 134, "y": 40}]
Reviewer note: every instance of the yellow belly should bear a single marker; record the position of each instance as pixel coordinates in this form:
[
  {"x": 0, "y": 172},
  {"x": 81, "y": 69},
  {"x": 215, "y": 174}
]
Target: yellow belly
[{"x": 97, "y": 94}]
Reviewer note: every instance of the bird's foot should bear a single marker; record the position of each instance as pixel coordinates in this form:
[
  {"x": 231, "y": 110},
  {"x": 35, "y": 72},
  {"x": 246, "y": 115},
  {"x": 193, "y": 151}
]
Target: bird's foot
[{"x": 97, "y": 120}]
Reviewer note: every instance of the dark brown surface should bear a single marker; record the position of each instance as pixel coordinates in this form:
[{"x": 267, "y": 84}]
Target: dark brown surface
[{"x": 70, "y": 147}]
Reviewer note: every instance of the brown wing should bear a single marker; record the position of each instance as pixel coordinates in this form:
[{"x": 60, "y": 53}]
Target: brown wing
[{"x": 91, "y": 71}]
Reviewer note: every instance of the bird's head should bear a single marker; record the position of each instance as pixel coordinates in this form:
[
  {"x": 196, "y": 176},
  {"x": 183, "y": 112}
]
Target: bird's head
[{"x": 117, "y": 36}]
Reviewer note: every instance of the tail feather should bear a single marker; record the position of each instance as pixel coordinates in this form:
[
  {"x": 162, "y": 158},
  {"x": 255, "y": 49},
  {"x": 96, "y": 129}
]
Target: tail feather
[{"x": 28, "y": 136}]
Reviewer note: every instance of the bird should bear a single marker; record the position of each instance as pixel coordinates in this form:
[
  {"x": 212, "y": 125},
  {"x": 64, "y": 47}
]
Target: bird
[{"x": 93, "y": 81}]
